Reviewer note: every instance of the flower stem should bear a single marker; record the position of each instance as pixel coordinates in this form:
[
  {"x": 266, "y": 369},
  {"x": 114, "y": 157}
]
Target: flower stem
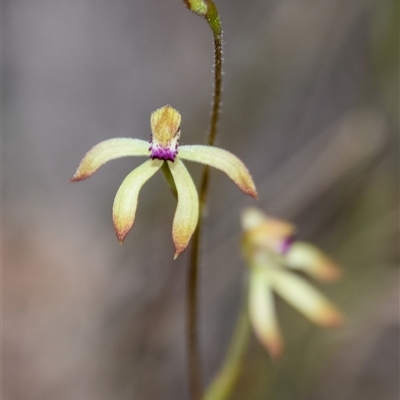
[
  {"x": 194, "y": 364},
  {"x": 215, "y": 24},
  {"x": 207, "y": 9},
  {"x": 224, "y": 383}
]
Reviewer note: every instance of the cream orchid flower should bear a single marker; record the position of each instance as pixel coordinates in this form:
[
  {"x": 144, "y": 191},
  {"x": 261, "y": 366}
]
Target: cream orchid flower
[
  {"x": 164, "y": 148},
  {"x": 270, "y": 251}
]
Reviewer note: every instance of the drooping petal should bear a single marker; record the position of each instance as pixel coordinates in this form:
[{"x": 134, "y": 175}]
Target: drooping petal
[
  {"x": 262, "y": 313},
  {"x": 187, "y": 209},
  {"x": 307, "y": 258},
  {"x": 302, "y": 296},
  {"x": 222, "y": 160},
  {"x": 126, "y": 199},
  {"x": 109, "y": 150}
]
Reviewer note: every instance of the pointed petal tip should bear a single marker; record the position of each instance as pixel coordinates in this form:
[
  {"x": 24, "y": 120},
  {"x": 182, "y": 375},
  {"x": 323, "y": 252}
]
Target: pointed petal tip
[
  {"x": 121, "y": 233},
  {"x": 333, "y": 319},
  {"x": 251, "y": 191},
  {"x": 120, "y": 237},
  {"x": 275, "y": 349},
  {"x": 245, "y": 184},
  {"x": 78, "y": 177},
  {"x": 323, "y": 267},
  {"x": 331, "y": 272},
  {"x": 179, "y": 249},
  {"x": 329, "y": 317},
  {"x": 272, "y": 343}
]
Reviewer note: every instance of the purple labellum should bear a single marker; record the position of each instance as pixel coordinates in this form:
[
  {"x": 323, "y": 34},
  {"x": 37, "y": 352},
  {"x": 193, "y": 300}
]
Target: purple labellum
[
  {"x": 162, "y": 153},
  {"x": 286, "y": 244}
]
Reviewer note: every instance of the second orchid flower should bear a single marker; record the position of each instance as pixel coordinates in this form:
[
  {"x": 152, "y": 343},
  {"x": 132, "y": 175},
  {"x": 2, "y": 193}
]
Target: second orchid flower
[{"x": 273, "y": 255}]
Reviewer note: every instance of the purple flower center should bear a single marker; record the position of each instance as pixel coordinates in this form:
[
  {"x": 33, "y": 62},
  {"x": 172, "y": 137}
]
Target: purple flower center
[
  {"x": 286, "y": 244},
  {"x": 163, "y": 153}
]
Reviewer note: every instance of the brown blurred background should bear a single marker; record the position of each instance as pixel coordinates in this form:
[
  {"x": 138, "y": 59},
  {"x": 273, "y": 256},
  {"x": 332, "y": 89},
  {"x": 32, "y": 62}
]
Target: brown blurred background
[{"x": 310, "y": 105}]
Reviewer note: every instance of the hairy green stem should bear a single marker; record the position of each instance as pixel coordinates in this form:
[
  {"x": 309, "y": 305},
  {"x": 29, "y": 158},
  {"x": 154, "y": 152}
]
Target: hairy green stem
[
  {"x": 207, "y": 9},
  {"x": 215, "y": 24}
]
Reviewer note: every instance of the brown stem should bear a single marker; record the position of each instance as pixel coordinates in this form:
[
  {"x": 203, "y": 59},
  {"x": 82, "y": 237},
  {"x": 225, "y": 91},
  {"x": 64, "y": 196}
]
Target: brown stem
[{"x": 195, "y": 379}]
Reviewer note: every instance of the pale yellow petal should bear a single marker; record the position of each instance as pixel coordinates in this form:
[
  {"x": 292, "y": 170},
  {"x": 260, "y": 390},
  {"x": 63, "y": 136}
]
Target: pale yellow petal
[
  {"x": 222, "y": 160},
  {"x": 109, "y": 150},
  {"x": 262, "y": 313},
  {"x": 187, "y": 209},
  {"x": 307, "y": 258},
  {"x": 302, "y": 296},
  {"x": 126, "y": 199}
]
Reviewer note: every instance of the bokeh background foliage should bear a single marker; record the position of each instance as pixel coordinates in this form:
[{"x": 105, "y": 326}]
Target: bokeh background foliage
[{"x": 310, "y": 105}]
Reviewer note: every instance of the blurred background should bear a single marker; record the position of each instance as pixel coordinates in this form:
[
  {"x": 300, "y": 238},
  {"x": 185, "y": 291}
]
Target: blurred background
[{"x": 310, "y": 105}]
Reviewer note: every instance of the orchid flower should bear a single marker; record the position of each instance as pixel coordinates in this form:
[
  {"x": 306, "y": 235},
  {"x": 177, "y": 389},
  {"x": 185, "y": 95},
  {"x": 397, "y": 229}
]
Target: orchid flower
[
  {"x": 272, "y": 255},
  {"x": 164, "y": 148}
]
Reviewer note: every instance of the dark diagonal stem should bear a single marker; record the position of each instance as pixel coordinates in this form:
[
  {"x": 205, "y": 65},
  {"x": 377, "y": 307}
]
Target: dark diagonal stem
[{"x": 195, "y": 379}]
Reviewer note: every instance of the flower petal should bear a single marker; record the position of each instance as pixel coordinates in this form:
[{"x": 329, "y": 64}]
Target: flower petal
[
  {"x": 109, "y": 150},
  {"x": 222, "y": 160},
  {"x": 187, "y": 209},
  {"x": 308, "y": 258},
  {"x": 302, "y": 296},
  {"x": 126, "y": 199},
  {"x": 262, "y": 313}
]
